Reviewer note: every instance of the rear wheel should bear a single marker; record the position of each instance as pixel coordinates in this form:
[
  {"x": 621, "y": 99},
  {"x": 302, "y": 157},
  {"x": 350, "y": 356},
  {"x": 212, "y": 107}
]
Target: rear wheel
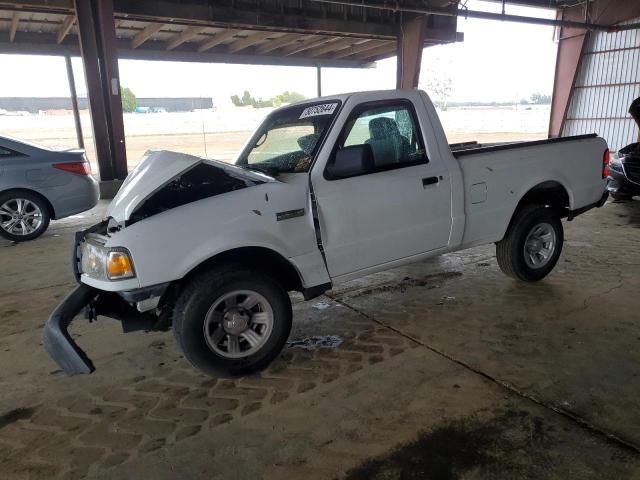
[
  {"x": 532, "y": 245},
  {"x": 23, "y": 216},
  {"x": 232, "y": 322}
]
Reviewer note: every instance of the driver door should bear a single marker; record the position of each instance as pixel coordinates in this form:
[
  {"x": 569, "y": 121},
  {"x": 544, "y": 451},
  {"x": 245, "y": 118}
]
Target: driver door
[{"x": 398, "y": 209}]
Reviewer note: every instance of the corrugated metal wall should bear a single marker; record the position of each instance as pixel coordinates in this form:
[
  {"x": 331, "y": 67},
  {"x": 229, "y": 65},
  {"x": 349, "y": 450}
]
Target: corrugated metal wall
[{"x": 607, "y": 83}]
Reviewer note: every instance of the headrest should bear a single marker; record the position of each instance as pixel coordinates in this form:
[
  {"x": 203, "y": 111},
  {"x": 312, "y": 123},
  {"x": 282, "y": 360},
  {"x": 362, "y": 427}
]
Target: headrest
[{"x": 383, "y": 127}]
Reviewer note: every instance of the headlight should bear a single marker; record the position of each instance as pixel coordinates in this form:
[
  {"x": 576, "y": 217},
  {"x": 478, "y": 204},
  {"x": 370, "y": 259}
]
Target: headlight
[{"x": 103, "y": 263}]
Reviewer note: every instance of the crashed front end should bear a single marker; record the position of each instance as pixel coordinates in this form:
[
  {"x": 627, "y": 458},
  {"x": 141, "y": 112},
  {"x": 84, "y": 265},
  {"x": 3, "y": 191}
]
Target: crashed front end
[
  {"x": 108, "y": 283},
  {"x": 136, "y": 309}
]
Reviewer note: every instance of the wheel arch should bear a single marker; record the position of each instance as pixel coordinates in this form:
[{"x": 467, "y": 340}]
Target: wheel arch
[
  {"x": 258, "y": 258},
  {"x": 550, "y": 193},
  {"x": 48, "y": 204}
]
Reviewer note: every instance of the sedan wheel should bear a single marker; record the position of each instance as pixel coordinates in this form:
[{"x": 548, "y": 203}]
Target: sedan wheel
[{"x": 22, "y": 217}]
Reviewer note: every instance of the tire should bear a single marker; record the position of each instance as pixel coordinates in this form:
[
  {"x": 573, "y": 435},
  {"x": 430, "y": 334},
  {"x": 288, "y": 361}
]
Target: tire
[
  {"x": 620, "y": 196},
  {"x": 23, "y": 216},
  {"x": 526, "y": 242},
  {"x": 204, "y": 332}
]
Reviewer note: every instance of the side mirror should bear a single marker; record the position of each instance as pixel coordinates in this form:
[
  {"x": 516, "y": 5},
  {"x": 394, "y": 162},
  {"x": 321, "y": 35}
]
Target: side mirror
[{"x": 351, "y": 161}]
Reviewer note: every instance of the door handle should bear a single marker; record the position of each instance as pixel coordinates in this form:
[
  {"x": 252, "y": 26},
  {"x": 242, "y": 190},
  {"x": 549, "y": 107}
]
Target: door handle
[{"x": 429, "y": 181}]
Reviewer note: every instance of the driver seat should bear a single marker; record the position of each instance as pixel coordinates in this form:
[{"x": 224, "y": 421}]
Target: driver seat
[{"x": 388, "y": 145}]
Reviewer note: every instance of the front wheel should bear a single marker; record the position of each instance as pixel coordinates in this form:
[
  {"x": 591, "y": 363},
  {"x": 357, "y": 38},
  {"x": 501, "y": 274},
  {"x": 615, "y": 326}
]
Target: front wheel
[
  {"x": 232, "y": 322},
  {"x": 532, "y": 245}
]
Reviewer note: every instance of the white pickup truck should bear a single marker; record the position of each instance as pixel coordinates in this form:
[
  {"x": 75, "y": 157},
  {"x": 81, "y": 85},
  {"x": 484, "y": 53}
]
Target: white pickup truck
[{"x": 325, "y": 191}]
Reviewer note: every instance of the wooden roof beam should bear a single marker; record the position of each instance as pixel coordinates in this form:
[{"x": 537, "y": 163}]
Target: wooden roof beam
[
  {"x": 184, "y": 36},
  {"x": 145, "y": 34},
  {"x": 15, "y": 20},
  {"x": 252, "y": 39},
  {"x": 272, "y": 45},
  {"x": 217, "y": 39},
  {"x": 306, "y": 45},
  {"x": 340, "y": 44},
  {"x": 362, "y": 47},
  {"x": 384, "y": 49},
  {"x": 65, "y": 28}
]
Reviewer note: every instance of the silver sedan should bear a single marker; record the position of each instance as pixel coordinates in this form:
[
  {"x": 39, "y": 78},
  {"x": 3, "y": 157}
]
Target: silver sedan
[{"x": 38, "y": 184}]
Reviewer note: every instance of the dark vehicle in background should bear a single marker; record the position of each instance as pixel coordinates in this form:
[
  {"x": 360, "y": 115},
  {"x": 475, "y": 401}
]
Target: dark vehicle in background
[
  {"x": 624, "y": 168},
  {"x": 38, "y": 184}
]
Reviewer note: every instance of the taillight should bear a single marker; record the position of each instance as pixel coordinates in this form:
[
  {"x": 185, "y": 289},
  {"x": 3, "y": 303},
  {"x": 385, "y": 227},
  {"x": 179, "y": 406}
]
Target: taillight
[
  {"x": 605, "y": 163},
  {"x": 80, "y": 168}
]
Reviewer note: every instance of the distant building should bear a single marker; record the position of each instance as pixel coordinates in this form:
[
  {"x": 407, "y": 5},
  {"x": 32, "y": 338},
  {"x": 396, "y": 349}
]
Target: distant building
[
  {"x": 35, "y": 104},
  {"x": 182, "y": 104}
]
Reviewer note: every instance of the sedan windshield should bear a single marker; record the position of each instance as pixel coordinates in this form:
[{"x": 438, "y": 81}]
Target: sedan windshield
[{"x": 288, "y": 139}]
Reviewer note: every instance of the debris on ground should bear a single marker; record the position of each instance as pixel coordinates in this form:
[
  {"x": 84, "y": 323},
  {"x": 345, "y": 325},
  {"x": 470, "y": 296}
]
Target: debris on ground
[
  {"x": 321, "y": 305},
  {"x": 315, "y": 342}
]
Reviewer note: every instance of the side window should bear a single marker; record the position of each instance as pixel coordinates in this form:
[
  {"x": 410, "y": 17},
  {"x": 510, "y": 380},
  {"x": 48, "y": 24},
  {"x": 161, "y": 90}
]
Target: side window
[
  {"x": 391, "y": 132},
  {"x": 6, "y": 153}
]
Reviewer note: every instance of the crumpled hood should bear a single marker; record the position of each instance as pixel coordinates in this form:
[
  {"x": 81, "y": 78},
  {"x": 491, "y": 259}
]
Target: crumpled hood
[
  {"x": 157, "y": 169},
  {"x": 634, "y": 110}
]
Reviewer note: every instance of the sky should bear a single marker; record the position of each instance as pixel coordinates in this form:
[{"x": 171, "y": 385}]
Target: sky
[{"x": 497, "y": 61}]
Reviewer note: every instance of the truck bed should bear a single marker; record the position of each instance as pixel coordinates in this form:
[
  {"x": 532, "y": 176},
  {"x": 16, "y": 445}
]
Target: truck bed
[
  {"x": 497, "y": 176},
  {"x": 473, "y": 147}
]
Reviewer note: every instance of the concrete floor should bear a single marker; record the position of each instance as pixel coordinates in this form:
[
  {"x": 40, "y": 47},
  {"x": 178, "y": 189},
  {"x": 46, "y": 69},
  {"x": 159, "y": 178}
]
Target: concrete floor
[{"x": 446, "y": 370}]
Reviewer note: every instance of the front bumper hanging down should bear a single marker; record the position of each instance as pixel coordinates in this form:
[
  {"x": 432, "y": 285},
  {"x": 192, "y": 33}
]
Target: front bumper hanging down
[
  {"x": 120, "y": 306},
  {"x": 57, "y": 341}
]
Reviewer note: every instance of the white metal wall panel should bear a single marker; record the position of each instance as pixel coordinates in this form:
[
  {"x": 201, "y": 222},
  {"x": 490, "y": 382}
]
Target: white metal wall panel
[{"x": 606, "y": 84}]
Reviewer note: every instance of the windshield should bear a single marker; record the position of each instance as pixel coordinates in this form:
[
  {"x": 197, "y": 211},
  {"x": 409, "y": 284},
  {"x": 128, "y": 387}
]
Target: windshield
[{"x": 287, "y": 140}]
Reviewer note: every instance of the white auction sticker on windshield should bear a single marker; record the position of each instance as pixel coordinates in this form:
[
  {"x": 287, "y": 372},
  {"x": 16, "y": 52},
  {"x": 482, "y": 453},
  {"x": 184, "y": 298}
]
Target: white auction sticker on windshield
[{"x": 324, "y": 109}]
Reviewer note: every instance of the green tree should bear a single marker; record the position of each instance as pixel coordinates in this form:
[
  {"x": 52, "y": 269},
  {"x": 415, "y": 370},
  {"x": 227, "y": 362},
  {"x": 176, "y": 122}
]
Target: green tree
[
  {"x": 247, "y": 99},
  {"x": 260, "y": 103},
  {"x": 287, "y": 97},
  {"x": 284, "y": 97},
  {"x": 129, "y": 102}
]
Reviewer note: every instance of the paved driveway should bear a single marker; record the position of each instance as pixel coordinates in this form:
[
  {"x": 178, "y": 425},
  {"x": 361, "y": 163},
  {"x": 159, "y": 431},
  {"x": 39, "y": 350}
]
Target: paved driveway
[{"x": 441, "y": 370}]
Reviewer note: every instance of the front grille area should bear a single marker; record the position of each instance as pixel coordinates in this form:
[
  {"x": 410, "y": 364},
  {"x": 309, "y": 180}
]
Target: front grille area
[{"x": 632, "y": 169}]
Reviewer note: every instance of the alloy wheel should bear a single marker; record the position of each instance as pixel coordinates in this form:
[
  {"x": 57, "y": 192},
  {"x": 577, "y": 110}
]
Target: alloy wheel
[
  {"x": 19, "y": 216},
  {"x": 238, "y": 324},
  {"x": 539, "y": 245}
]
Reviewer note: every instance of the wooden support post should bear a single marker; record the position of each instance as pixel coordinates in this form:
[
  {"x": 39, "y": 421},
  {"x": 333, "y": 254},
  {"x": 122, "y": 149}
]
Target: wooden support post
[
  {"x": 571, "y": 43},
  {"x": 97, "y": 34},
  {"x": 74, "y": 99},
  {"x": 411, "y": 35}
]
